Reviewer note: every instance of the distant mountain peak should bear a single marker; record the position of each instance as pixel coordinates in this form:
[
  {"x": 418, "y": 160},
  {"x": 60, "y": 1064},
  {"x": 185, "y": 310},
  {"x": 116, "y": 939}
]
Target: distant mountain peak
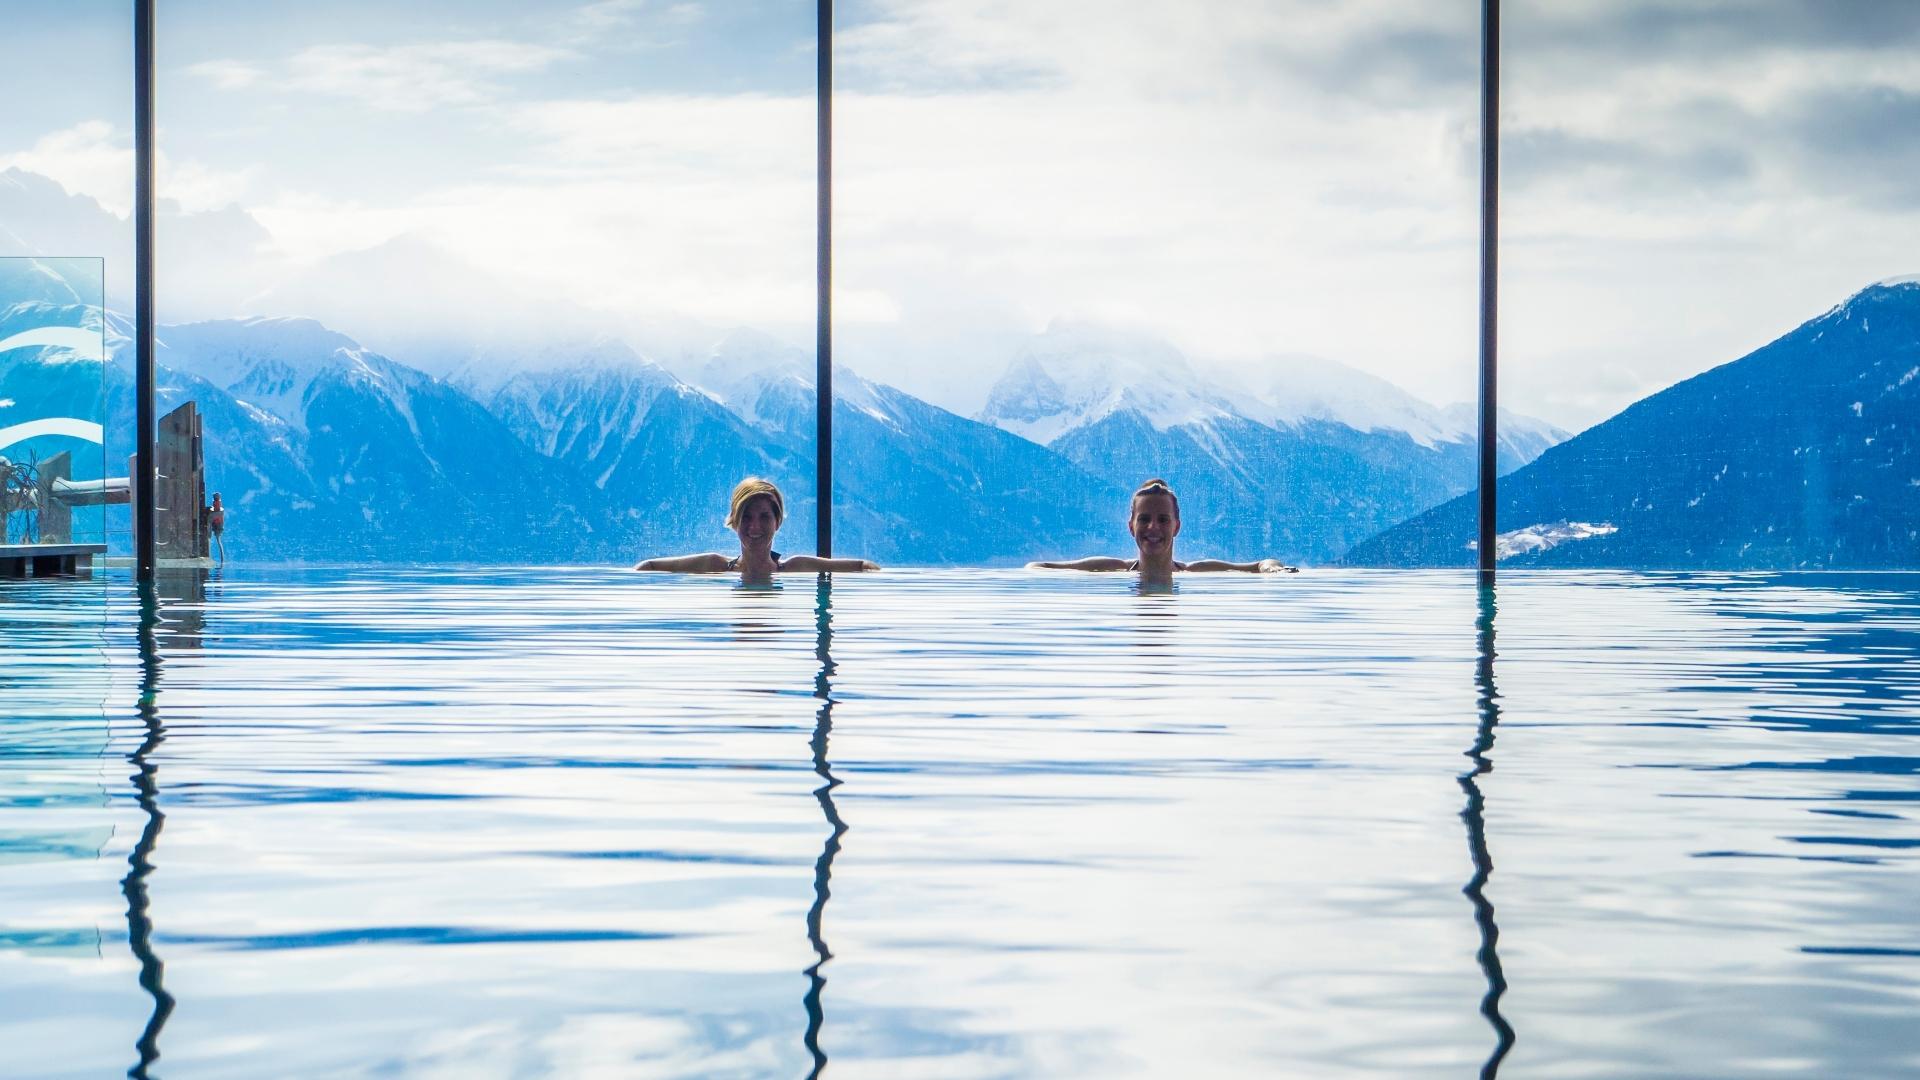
[
  {"x": 271, "y": 362},
  {"x": 1894, "y": 282},
  {"x": 1076, "y": 373},
  {"x": 745, "y": 365}
]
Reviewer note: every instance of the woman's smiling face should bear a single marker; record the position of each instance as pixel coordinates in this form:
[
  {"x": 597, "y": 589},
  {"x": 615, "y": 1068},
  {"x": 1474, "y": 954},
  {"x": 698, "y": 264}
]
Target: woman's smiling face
[
  {"x": 1154, "y": 522},
  {"x": 757, "y": 525}
]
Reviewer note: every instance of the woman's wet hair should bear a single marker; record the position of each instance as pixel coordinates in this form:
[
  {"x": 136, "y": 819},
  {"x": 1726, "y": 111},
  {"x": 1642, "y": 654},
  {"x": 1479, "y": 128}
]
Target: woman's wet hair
[
  {"x": 751, "y": 488},
  {"x": 1155, "y": 486}
]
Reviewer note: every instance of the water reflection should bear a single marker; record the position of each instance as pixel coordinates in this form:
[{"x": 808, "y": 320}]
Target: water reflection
[
  {"x": 757, "y": 612},
  {"x": 822, "y": 867},
  {"x": 1154, "y": 617},
  {"x": 146, "y": 786},
  {"x": 562, "y": 832},
  {"x": 1488, "y": 698},
  {"x": 180, "y": 608}
]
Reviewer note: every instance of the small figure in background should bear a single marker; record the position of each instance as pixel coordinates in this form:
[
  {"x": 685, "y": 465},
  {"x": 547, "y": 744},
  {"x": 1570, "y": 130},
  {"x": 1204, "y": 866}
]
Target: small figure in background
[{"x": 217, "y": 524}]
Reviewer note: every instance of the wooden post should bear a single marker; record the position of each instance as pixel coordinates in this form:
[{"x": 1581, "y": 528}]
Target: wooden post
[
  {"x": 56, "y": 517},
  {"x": 182, "y": 503}
]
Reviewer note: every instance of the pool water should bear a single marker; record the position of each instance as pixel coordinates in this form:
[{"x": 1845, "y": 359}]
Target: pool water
[{"x": 582, "y": 822}]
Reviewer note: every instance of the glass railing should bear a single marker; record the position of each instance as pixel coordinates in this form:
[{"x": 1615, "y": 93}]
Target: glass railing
[{"x": 54, "y": 481}]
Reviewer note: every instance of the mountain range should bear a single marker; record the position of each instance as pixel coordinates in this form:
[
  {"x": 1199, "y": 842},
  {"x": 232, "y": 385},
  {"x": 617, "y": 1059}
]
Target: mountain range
[
  {"x": 1801, "y": 454},
  {"x": 325, "y": 449},
  {"x": 1324, "y": 457},
  {"x": 571, "y": 449},
  {"x": 1797, "y": 455}
]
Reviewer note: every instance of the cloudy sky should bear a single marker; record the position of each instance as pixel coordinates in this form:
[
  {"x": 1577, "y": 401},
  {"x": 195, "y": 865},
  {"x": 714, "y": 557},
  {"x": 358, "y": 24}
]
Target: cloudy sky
[{"x": 1263, "y": 182}]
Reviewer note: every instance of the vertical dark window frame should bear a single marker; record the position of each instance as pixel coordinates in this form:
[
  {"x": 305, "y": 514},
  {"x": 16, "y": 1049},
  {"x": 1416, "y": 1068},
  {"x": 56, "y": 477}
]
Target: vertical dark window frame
[
  {"x": 1489, "y": 287},
  {"x": 823, "y": 271},
  {"x": 145, "y": 474}
]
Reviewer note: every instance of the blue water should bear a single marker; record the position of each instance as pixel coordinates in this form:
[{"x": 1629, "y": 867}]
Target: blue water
[{"x": 960, "y": 824}]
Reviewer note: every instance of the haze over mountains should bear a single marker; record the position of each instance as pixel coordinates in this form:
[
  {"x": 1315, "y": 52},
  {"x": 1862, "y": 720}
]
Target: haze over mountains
[{"x": 327, "y": 450}]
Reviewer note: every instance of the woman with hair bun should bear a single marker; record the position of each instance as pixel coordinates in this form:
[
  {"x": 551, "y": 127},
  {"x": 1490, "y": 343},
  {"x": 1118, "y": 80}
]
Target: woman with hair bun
[
  {"x": 754, "y": 513},
  {"x": 1154, "y": 520}
]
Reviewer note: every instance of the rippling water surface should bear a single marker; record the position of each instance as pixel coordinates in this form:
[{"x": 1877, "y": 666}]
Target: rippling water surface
[{"x": 960, "y": 824}]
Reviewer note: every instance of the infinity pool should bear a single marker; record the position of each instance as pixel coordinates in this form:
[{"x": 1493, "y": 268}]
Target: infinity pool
[{"x": 580, "y": 823}]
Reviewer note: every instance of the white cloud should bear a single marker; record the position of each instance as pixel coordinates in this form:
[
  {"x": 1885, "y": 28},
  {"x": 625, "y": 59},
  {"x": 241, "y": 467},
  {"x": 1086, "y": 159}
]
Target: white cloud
[
  {"x": 90, "y": 158},
  {"x": 416, "y": 78},
  {"x": 629, "y": 23},
  {"x": 308, "y": 226},
  {"x": 686, "y": 13},
  {"x": 227, "y": 74},
  {"x": 197, "y": 187},
  {"x": 1234, "y": 173},
  {"x": 608, "y": 14},
  {"x": 1247, "y": 179},
  {"x": 95, "y": 159},
  {"x": 699, "y": 208}
]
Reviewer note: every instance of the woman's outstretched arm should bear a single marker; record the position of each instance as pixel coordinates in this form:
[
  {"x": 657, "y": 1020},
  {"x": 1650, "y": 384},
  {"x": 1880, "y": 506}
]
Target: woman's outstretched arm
[
  {"x": 1091, "y": 562},
  {"x": 814, "y": 564},
  {"x": 710, "y": 563},
  {"x": 1264, "y": 566}
]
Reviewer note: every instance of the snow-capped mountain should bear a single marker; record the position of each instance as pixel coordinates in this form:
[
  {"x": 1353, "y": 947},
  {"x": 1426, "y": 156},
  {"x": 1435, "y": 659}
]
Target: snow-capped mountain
[
  {"x": 1300, "y": 388},
  {"x": 916, "y": 483},
  {"x": 663, "y": 452},
  {"x": 1077, "y": 374},
  {"x": 1319, "y": 458},
  {"x": 253, "y": 454},
  {"x": 273, "y": 364},
  {"x": 913, "y": 482},
  {"x": 1522, "y": 438},
  {"x": 324, "y": 450},
  {"x": 1804, "y": 453},
  {"x": 399, "y": 450},
  {"x": 451, "y": 319},
  {"x": 327, "y": 447},
  {"x": 587, "y": 412}
]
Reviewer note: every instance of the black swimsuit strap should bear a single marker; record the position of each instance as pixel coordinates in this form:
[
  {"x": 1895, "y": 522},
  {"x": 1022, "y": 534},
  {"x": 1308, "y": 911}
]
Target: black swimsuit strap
[{"x": 734, "y": 563}]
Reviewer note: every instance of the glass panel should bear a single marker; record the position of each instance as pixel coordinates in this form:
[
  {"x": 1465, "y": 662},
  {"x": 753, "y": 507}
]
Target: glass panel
[
  {"x": 54, "y": 480},
  {"x": 1230, "y": 245},
  {"x": 450, "y": 279},
  {"x": 1699, "y": 201}
]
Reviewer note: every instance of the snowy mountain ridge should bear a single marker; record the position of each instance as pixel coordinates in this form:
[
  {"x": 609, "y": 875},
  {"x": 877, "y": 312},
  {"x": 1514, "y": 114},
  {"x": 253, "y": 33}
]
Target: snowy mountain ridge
[
  {"x": 1077, "y": 374},
  {"x": 272, "y": 363}
]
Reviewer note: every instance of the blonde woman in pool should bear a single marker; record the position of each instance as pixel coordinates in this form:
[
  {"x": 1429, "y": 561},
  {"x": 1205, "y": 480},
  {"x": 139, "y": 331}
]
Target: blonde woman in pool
[
  {"x": 754, "y": 513},
  {"x": 1153, "y": 518}
]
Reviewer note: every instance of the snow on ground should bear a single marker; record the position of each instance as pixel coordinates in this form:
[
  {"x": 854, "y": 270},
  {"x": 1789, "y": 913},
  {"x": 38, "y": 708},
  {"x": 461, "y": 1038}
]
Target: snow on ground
[{"x": 1535, "y": 538}]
